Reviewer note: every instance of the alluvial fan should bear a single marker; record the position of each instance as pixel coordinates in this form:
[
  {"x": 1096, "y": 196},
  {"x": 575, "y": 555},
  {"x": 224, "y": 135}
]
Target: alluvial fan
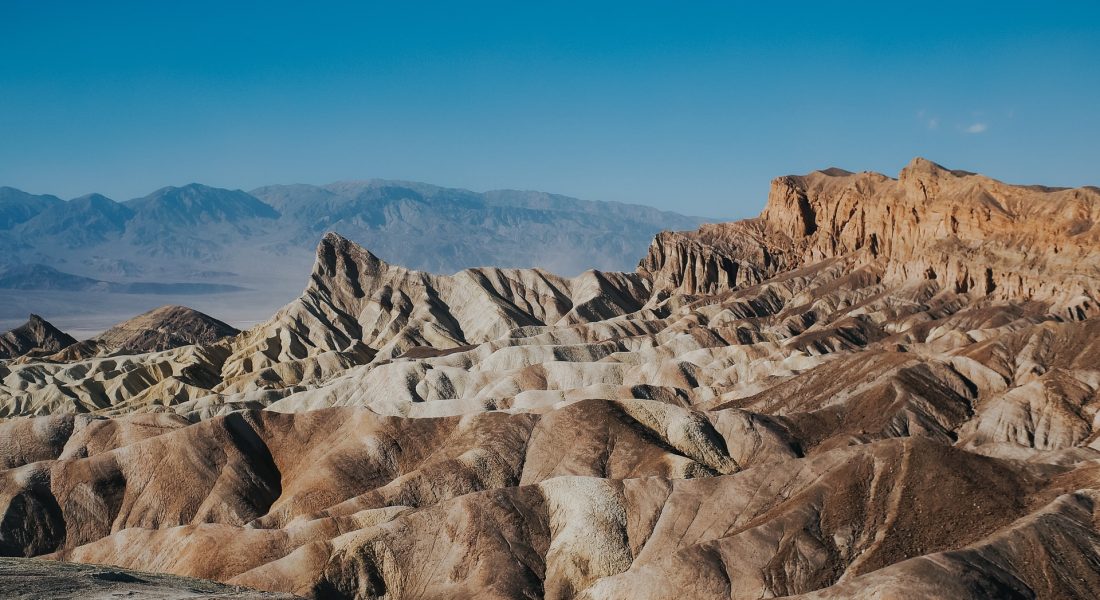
[{"x": 878, "y": 388}]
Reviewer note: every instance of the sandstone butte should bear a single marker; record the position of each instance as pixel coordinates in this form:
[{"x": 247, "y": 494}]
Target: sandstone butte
[{"x": 879, "y": 388}]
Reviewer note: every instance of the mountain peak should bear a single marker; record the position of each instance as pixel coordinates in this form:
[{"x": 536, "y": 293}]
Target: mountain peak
[
  {"x": 36, "y": 335},
  {"x": 835, "y": 172},
  {"x": 17, "y": 206},
  {"x": 165, "y": 327},
  {"x": 92, "y": 198},
  {"x": 922, "y": 166},
  {"x": 195, "y": 204},
  {"x": 338, "y": 256}
]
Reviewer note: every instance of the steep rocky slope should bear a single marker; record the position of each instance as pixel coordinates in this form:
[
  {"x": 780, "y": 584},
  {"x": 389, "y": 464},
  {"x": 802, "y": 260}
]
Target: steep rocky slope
[
  {"x": 878, "y": 388},
  {"x": 160, "y": 329},
  {"x": 37, "y": 335},
  {"x": 967, "y": 232},
  {"x": 163, "y": 328},
  {"x": 359, "y": 307}
]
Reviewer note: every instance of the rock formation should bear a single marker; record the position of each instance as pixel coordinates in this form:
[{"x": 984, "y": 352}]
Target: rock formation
[
  {"x": 967, "y": 232},
  {"x": 160, "y": 329},
  {"x": 360, "y": 307},
  {"x": 878, "y": 388},
  {"x": 163, "y": 328},
  {"x": 37, "y": 335}
]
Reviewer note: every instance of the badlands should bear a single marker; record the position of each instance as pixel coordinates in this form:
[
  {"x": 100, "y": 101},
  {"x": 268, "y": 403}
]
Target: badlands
[{"x": 879, "y": 388}]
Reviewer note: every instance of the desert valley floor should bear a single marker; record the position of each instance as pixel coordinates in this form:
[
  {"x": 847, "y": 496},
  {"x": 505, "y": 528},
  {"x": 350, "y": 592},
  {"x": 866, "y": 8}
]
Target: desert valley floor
[{"x": 879, "y": 388}]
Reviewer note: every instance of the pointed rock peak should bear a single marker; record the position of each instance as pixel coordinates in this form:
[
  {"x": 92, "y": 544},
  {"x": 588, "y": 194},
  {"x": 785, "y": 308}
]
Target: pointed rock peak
[
  {"x": 39, "y": 324},
  {"x": 36, "y": 335},
  {"x": 343, "y": 265},
  {"x": 923, "y": 167},
  {"x": 46, "y": 330},
  {"x": 334, "y": 239},
  {"x": 835, "y": 172},
  {"x": 334, "y": 246}
]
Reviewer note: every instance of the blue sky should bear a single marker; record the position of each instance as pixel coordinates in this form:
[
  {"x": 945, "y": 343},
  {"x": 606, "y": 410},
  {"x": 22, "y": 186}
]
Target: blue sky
[{"x": 687, "y": 106}]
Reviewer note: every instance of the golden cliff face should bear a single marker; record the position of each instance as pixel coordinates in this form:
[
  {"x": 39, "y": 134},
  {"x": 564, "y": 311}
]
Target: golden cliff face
[{"x": 968, "y": 233}]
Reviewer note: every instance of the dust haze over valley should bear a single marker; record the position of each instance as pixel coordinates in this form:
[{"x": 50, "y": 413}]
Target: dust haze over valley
[{"x": 91, "y": 262}]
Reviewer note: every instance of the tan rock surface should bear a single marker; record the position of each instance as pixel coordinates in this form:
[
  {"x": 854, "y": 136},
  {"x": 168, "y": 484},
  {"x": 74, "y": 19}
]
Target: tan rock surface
[{"x": 878, "y": 388}]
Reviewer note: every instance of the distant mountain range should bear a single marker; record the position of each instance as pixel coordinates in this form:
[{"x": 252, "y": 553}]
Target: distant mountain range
[{"x": 196, "y": 239}]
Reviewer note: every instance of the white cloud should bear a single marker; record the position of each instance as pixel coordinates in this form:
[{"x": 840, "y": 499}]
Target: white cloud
[
  {"x": 934, "y": 123},
  {"x": 977, "y": 128}
]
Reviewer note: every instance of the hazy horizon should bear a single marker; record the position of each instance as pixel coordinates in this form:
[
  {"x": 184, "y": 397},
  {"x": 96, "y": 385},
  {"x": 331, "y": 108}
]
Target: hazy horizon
[
  {"x": 693, "y": 110},
  {"x": 346, "y": 180}
]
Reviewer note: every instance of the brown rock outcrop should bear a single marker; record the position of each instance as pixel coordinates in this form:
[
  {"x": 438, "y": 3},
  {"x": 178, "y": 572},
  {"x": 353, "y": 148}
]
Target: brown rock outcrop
[
  {"x": 878, "y": 388},
  {"x": 37, "y": 336},
  {"x": 160, "y": 329},
  {"x": 966, "y": 232}
]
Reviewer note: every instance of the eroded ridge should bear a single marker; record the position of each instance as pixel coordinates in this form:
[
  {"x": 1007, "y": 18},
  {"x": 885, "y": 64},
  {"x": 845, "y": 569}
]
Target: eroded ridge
[{"x": 878, "y": 387}]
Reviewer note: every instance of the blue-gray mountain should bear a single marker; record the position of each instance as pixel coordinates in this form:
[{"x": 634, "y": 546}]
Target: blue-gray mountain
[{"x": 263, "y": 240}]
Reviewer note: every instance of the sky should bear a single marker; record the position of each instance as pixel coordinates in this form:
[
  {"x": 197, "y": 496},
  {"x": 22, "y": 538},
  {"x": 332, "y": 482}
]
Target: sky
[{"x": 687, "y": 106}]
